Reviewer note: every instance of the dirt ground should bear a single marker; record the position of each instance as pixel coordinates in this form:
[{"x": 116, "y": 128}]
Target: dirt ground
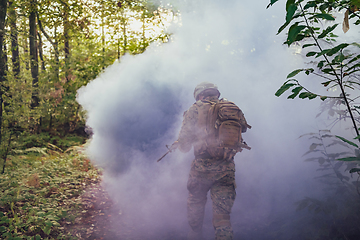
[
  {"x": 94, "y": 221},
  {"x": 100, "y": 219}
]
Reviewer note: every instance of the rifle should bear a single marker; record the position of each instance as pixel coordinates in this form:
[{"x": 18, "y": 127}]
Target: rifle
[
  {"x": 170, "y": 149},
  {"x": 244, "y": 145}
]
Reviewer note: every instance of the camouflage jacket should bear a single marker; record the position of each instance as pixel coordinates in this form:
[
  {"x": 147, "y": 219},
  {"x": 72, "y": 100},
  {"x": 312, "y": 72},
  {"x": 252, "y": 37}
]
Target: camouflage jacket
[{"x": 188, "y": 138}]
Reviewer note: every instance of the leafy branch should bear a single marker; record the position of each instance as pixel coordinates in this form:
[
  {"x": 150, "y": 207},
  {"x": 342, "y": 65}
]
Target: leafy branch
[{"x": 338, "y": 66}]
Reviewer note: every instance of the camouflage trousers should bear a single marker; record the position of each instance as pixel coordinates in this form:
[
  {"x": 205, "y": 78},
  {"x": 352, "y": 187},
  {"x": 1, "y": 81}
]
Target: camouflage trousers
[{"x": 222, "y": 191}]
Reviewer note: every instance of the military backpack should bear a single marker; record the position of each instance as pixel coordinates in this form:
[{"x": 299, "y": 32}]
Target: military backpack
[{"x": 223, "y": 123}]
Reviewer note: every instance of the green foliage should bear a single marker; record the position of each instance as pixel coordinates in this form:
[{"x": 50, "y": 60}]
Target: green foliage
[
  {"x": 339, "y": 202},
  {"x": 311, "y": 25},
  {"x": 41, "y": 140},
  {"x": 347, "y": 141},
  {"x": 39, "y": 193},
  {"x": 76, "y": 42}
]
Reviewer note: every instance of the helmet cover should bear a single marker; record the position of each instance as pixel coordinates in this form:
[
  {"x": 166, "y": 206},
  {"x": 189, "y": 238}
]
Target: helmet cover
[{"x": 205, "y": 86}]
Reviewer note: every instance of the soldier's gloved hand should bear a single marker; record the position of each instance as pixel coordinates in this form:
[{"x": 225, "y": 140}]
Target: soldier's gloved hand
[{"x": 174, "y": 146}]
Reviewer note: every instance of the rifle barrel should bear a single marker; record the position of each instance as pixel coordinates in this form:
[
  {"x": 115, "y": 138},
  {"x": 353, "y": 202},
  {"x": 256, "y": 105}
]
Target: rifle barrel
[{"x": 163, "y": 156}]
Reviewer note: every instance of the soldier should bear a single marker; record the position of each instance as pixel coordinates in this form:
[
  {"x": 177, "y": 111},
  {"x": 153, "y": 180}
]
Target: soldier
[{"x": 208, "y": 170}]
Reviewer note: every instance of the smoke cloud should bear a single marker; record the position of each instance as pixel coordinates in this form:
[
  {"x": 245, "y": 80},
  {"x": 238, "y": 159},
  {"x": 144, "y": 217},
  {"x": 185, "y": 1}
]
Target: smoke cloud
[{"x": 135, "y": 108}]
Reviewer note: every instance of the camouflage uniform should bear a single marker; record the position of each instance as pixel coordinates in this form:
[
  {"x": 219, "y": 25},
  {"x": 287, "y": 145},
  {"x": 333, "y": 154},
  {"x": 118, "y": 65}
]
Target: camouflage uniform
[{"x": 214, "y": 174}]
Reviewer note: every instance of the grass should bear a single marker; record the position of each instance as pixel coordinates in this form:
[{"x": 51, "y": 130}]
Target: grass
[{"x": 39, "y": 190}]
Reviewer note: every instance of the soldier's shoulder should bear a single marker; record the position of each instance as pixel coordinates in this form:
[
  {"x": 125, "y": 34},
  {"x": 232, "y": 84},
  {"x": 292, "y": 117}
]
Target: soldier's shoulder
[
  {"x": 225, "y": 100},
  {"x": 192, "y": 109}
]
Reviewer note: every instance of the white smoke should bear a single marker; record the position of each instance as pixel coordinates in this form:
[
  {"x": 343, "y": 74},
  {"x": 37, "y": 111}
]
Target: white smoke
[{"x": 135, "y": 108}]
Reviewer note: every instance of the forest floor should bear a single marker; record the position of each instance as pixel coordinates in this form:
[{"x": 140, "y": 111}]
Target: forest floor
[
  {"x": 94, "y": 221},
  {"x": 101, "y": 219}
]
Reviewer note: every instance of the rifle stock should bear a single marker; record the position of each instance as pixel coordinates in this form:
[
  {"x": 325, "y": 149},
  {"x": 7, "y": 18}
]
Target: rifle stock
[{"x": 172, "y": 148}]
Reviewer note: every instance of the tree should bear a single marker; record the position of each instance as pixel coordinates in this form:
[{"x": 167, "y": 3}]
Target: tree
[
  {"x": 34, "y": 62},
  {"x": 72, "y": 41},
  {"x": 3, "y": 7},
  {"x": 14, "y": 39},
  {"x": 337, "y": 65}
]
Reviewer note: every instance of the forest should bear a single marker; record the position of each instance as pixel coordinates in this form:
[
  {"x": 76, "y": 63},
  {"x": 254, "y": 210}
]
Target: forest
[
  {"x": 74, "y": 167},
  {"x": 48, "y": 50}
]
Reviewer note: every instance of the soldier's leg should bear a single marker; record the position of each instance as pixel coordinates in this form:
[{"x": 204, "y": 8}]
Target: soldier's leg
[
  {"x": 223, "y": 196},
  {"x": 198, "y": 188}
]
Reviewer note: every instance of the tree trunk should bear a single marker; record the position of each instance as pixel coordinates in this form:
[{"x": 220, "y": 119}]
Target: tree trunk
[
  {"x": 33, "y": 54},
  {"x": 66, "y": 39},
  {"x": 143, "y": 32},
  {"x": 3, "y": 8},
  {"x": 14, "y": 40},
  {"x": 56, "y": 50},
  {"x": 103, "y": 36},
  {"x": 5, "y": 58},
  {"x": 124, "y": 32},
  {"x": 41, "y": 55}
]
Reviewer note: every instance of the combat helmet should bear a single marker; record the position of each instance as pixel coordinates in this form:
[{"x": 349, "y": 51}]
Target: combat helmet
[{"x": 205, "y": 86}]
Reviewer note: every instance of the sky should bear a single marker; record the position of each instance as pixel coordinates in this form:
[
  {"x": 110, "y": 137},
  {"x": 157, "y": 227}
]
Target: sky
[{"x": 135, "y": 109}]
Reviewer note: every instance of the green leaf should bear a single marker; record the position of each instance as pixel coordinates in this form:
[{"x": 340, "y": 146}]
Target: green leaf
[
  {"x": 325, "y": 16},
  {"x": 47, "y": 230},
  {"x": 356, "y": 67},
  {"x": 356, "y": 44},
  {"x": 290, "y": 12},
  {"x": 308, "y": 45},
  {"x": 349, "y": 159},
  {"x": 294, "y": 30},
  {"x": 309, "y": 54},
  {"x": 328, "y": 71},
  {"x": 283, "y": 27},
  {"x": 48, "y": 223},
  {"x": 339, "y": 58},
  {"x": 271, "y": 3},
  {"x": 294, "y": 73},
  {"x": 308, "y": 71},
  {"x": 300, "y": 37},
  {"x": 289, "y": 3},
  {"x": 334, "y": 50},
  {"x": 323, "y": 98},
  {"x": 327, "y": 30},
  {"x": 354, "y": 170},
  {"x": 304, "y": 95},
  {"x": 295, "y": 91},
  {"x": 309, "y": 5},
  {"x": 321, "y": 64},
  {"x": 322, "y": 52},
  {"x": 347, "y": 141},
  {"x": 355, "y": 58},
  {"x": 283, "y": 88},
  {"x": 326, "y": 83},
  {"x": 41, "y": 214}
]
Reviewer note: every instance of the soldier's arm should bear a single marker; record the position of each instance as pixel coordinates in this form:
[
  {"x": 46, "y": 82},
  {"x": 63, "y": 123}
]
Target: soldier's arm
[
  {"x": 244, "y": 124},
  {"x": 187, "y": 134}
]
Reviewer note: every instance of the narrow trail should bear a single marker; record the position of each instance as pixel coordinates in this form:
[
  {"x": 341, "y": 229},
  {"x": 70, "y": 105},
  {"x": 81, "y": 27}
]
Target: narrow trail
[
  {"x": 100, "y": 219},
  {"x": 95, "y": 219}
]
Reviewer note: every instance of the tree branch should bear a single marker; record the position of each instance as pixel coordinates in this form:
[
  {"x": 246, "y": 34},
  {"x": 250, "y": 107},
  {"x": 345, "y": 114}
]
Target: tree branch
[
  {"x": 46, "y": 35},
  {"x": 332, "y": 68}
]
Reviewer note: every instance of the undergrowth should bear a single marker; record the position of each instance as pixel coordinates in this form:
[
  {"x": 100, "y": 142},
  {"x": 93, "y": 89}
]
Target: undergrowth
[
  {"x": 29, "y": 140},
  {"x": 39, "y": 190}
]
